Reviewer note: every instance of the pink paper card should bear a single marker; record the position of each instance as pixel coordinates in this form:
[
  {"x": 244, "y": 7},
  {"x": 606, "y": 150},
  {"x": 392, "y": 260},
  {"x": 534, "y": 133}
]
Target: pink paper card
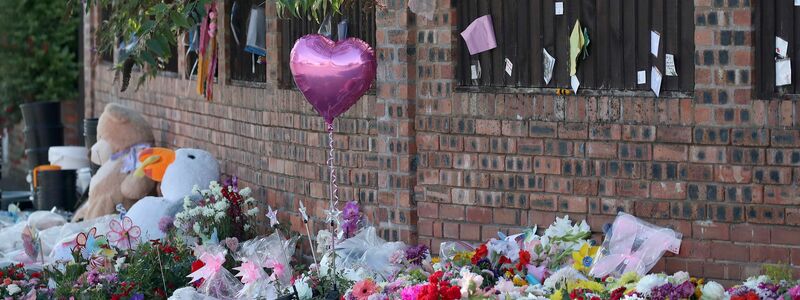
[{"x": 480, "y": 35}]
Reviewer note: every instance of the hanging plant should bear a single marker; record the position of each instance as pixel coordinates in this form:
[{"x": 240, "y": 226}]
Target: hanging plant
[
  {"x": 317, "y": 9},
  {"x": 144, "y": 32}
]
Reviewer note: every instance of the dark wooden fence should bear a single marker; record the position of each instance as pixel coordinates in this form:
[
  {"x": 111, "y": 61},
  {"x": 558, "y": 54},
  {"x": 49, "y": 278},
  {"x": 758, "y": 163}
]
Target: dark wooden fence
[
  {"x": 361, "y": 24},
  {"x": 240, "y": 63},
  {"x": 619, "y": 32},
  {"x": 770, "y": 19}
]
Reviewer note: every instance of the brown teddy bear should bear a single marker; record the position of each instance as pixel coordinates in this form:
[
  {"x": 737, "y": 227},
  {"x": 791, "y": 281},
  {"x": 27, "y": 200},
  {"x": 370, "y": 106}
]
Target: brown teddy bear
[{"x": 121, "y": 134}]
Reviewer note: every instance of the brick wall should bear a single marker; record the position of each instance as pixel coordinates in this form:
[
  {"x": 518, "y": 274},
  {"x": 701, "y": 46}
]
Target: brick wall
[{"x": 432, "y": 163}]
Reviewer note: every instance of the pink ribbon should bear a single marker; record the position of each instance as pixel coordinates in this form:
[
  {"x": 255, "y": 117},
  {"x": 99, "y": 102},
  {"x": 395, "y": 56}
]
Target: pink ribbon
[
  {"x": 249, "y": 271},
  {"x": 625, "y": 231},
  {"x": 213, "y": 263}
]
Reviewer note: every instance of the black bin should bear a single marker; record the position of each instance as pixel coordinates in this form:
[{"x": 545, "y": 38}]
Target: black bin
[{"x": 56, "y": 189}]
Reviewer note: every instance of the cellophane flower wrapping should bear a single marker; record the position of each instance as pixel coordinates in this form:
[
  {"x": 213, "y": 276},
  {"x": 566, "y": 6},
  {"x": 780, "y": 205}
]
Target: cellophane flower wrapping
[
  {"x": 222, "y": 284},
  {"x": 364, "y": 255},
  {"x": 633, "y": 245},
  {"x": 274, "y": 253}
]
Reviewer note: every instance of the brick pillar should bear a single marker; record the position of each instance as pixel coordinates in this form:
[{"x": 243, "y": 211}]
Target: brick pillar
[{"x": 394, "y": 111}]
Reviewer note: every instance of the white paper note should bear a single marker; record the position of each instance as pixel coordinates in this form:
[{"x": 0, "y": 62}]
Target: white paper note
[
  {"x": 559, "y": 8},
  {"x": 670, "y": 65},
  {"x": 549, "y": 63},
  {"x": 641, "y": 77},
  {"x": 783, "y": 72},
  {"x": 655, "y": 81},
  {"x": 655, "y": 40},
  {"x": 575, "y": 83},
  {"x": 781, "y": 47},
  {"x": 476, "y": 71},
  {"x": 509, "y": 67}
]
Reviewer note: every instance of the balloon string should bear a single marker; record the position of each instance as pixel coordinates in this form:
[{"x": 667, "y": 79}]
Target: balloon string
[{"x": 334, "y": 188}]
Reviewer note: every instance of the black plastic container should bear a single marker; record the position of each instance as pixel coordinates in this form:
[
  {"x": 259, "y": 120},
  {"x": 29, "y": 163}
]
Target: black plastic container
[
  {"x": 90, "y": 137},
  {"x": 20, "y": 198},
  {"x": 43, "y": 129},
  {"x": 56, "y": 189},
  {"x": 37, "y": 157}
]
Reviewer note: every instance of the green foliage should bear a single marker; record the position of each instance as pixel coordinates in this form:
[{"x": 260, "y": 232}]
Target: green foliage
[
  {"x": 778, "y": 273},
  {"x": 156, "y": 24},
  {"x": 38, "y": 54},
  {"x": 317, "y": 9}
]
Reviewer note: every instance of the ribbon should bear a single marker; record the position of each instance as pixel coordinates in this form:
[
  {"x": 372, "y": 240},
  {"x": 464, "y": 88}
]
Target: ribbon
[
  {"x": 130, "y": 157},
  {"x": 249, "y": 272},
  {"x": 213, "y": 264}
]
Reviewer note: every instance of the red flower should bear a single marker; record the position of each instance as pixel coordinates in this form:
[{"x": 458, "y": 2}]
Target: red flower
[
  {"x": 503, "y": 260},
  {"x": 524, "y": 259},
  {"x": 617, "y": 294},
  {"x": 749, "y": 296},
  {"x": 196, "y": 265},
  {"x": 36, "y": 275},
  {"x": 480, "y": 253}
]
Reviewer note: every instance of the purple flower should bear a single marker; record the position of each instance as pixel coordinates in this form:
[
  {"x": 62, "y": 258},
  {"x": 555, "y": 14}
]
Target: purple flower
[
  {"x": 166, "y": 224},
  {"x": 137, "y": 296},
  {"x": 415, "y": 254},
  {"x": 351, "y": 215},
  {"x": 232, "y": 182}
]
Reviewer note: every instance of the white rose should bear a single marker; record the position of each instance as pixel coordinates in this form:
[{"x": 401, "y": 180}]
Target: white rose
[
  {"x": 253, "y": 211},
  {"x": 13, "y": 289},
  {"x": 713, "y": 291},
  {"x": 245, "y": 192},
  {"x": 680, "y": 277}
]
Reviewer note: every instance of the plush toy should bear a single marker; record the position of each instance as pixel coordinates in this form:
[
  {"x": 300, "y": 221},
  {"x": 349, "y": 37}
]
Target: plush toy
[
  {"x": 184, "y": 169},
  {"x": 121, "y": 134}
]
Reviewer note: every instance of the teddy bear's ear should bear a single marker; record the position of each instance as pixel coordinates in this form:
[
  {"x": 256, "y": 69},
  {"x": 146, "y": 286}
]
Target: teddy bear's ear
[{"x": 117, "y": 113}]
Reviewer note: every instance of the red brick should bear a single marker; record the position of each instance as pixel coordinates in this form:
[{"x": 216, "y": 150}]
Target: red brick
[
  {"x": 425, "y": 227},
  {"x": 638, "y": 133},
  {"x": 601, "y": 150},
  {"x": 785, "y": 235},
  {"x": 480, "y": 215},
  {"x": 546, "y": 202},
  {"x": 470, "y": 232},
  {"x": 543, "y": 129},
  {"x": 487, "y": 127},
  {"x": 670, "y": 152},
  {"x": 765, "y": 214},
  {"x": 733, "y": 174},
  {"x": 428, "y": 210},
  {"x": 507, "y": 216},
  {"x": 605, "y": 132},
  {"x": 560, "y": 185},
  {"x": 612, "y": 206},
  {"x": 632, "y": 188},
  {"x": 695, "y": 172},
  {"x": 451, "y": 212},
  {"x": 769, "y": 254},
  {"x": 651, "y": 209},
  {"x": 635, "y": 151},
  {"x": 546, "y": 165},
  {"x": 707, "y": 154},
  {"x": 781, "y": 195},
  {"x": 572, "y": 204},
  {"x": 514, "y": 128},
  {"x": 668, "y": 190},
  {"x": 476, "y": 144},
  {"x": 450, "y": 230},
  {"x": 530, "y": 146},
  {"x": 704, "y": 230},
  {"x": 792, "y": 216},
  {"x": 585, "y": 186},
  {"x": 572, "y": 131},
  {"x": 772, "y": 175},
  {"x": 729, "y": 251}
]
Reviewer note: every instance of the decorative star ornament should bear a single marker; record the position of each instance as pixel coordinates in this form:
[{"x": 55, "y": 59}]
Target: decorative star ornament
[
  {"x": 273, "y": 217},
  {"x": 249, "y": 271},
  {"x": 303, "y": 212},
  {"x": 333, "y": 215}
]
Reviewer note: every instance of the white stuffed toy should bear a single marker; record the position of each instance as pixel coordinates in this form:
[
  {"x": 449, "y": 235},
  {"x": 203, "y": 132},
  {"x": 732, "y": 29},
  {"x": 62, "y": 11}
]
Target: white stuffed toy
[{"x": 191, "y": 167}]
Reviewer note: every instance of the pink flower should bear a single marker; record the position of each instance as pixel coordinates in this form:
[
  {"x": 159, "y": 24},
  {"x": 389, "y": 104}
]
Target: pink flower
[
  {"x": 794, "y": 293},
  {"x": 363, "y": 289},
  {"x": 412, "y": 292},
  {"x": 125, "y": 234}
]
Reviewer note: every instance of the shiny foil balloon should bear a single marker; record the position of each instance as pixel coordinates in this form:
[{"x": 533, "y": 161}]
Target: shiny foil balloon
[{"x": 332, "y": 75}]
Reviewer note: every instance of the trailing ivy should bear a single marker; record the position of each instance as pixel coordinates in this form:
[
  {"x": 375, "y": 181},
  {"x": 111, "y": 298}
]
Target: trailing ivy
[{"x": 146, "y": 29}]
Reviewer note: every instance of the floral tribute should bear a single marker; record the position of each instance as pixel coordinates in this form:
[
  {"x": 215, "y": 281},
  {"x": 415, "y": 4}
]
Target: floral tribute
[
  {"x": 209, "y": 253},
  {"x": 219, "y": 212}
]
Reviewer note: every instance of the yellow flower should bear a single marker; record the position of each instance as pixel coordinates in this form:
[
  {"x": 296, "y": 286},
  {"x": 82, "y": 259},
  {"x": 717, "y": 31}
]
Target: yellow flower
[
  {"x": 588, "y": 285},
  {"x": 435, "y": 260},
  {"x": 557, "y": 295},
  {"x": 518, "y": 281},
  {"x": 584, "y": 258},
  {"x": 698, "y": 286}
]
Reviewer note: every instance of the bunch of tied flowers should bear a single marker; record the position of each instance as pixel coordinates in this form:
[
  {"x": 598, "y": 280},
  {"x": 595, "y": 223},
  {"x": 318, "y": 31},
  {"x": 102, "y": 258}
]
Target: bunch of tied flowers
[
  {"x": 220, "y": 212},
  {"x": 16, "y": 283}
]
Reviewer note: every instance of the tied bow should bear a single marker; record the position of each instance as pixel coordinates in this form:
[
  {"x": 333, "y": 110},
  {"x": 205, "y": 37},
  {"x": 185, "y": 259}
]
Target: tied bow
[
  {"x": 249, "y": 271},
  {"x": 622, "y": 255},
  {"x": 213, "y": 264},
  {"x": 130, "y": 157}
]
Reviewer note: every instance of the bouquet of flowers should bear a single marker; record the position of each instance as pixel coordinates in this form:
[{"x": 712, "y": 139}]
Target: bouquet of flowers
[
  {"x": 222, "y": 211},
  {"x": 18, "y": 283}
]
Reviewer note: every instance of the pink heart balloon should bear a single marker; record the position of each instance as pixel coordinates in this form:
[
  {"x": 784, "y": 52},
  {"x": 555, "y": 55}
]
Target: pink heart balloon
[{"x": 332, "y": 75}]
